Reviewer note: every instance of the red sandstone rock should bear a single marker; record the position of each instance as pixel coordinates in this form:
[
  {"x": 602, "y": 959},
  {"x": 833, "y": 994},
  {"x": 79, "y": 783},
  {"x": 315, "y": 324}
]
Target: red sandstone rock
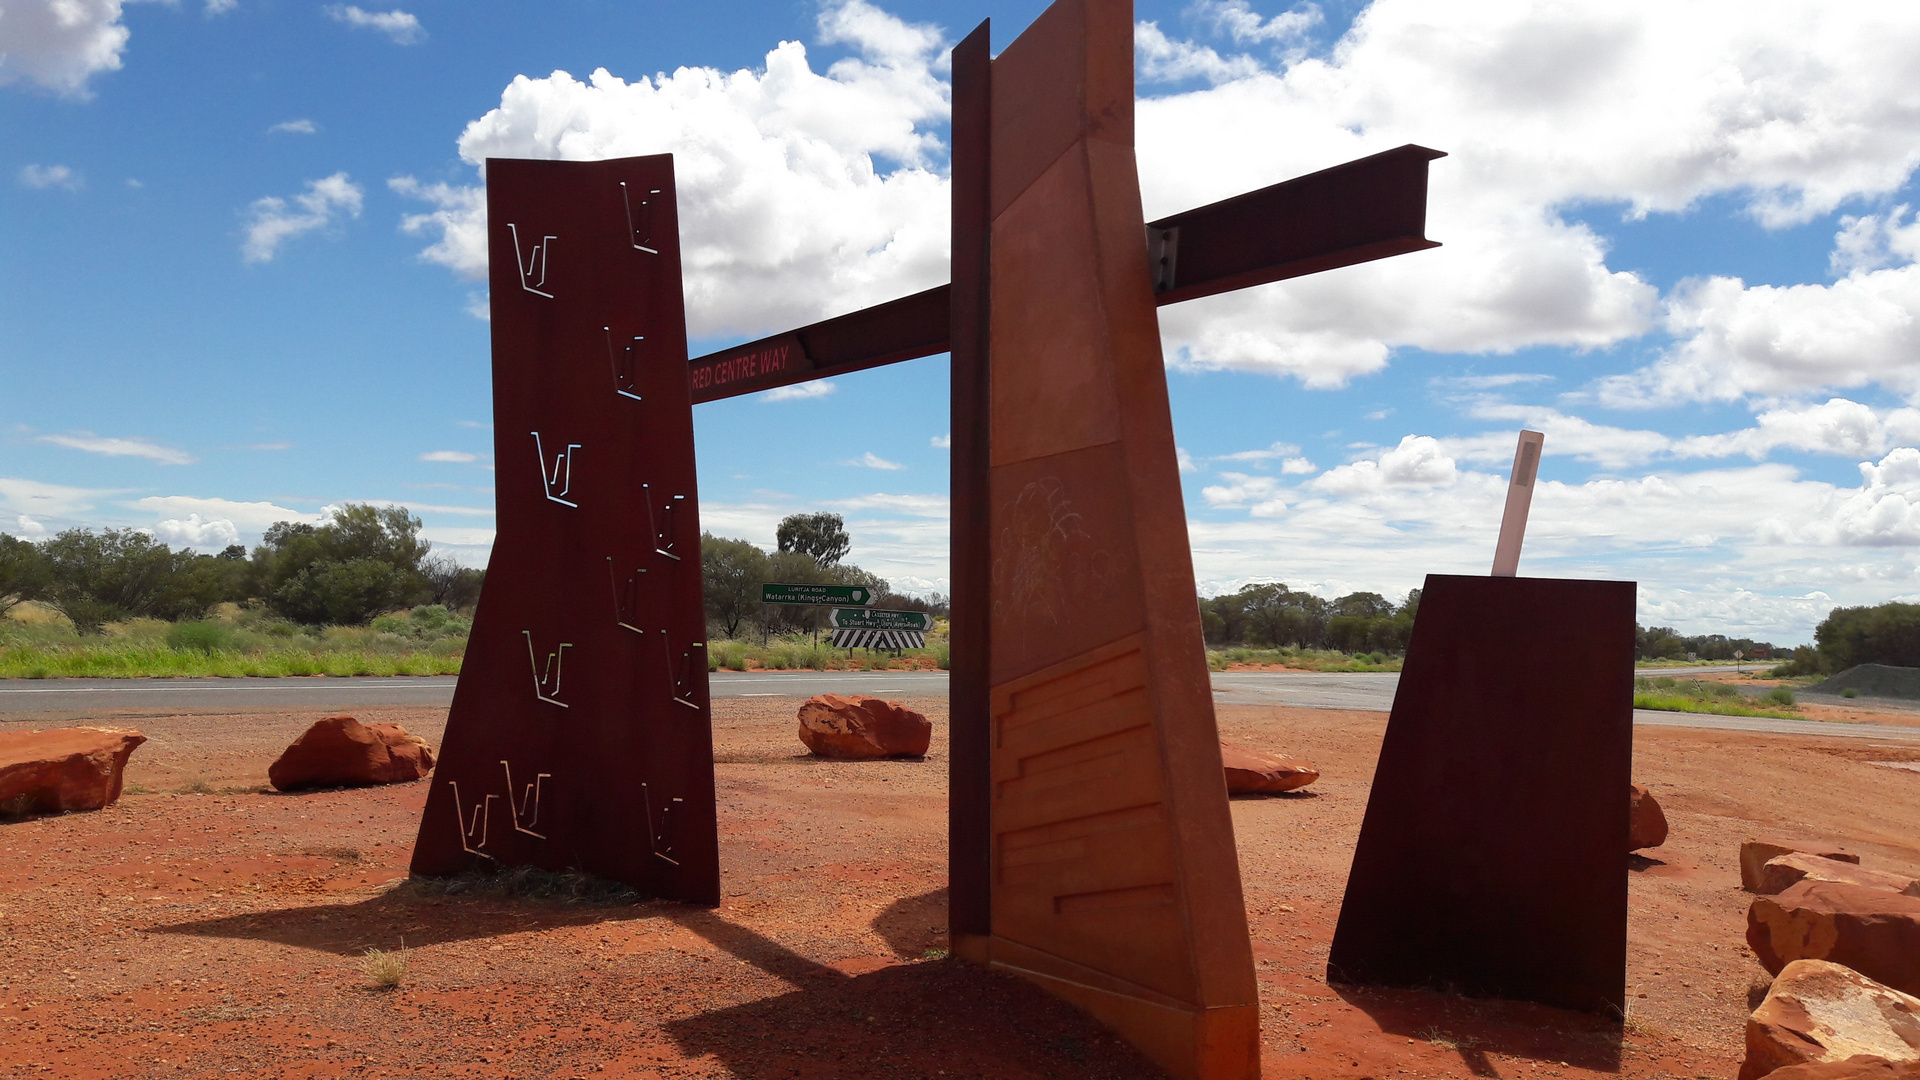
[
  {"x": 1874, "y": 932},
  {"x": 1858, "y": 1067},
  {"x": 63, "y": 769},
  {"x": 859, "y": 726},
  {"x": 1646, "y": 824},
  {"x": 1255, "y": 771},
  {"x": 343, "y": 752},
  {"x": 1822, "y": 1014},
  {"x": 1755, "y": 853},
  {"x": 1790, "y": 869}
]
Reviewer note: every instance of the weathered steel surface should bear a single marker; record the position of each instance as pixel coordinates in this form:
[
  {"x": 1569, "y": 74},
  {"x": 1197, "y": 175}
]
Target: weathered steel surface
[
  {"x": 579, "y": 736},
  {"x": 1367, "y": 209},
  {"x": 1363, "y": 210},
  {"x": 903, "y": 329},
  {"x": 1115, "y": 882},
  {"x": 970, "y": 767},
  {"x": 1493, "y": 857}
]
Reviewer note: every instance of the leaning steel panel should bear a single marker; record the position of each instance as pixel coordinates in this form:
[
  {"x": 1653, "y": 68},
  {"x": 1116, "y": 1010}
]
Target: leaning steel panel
[{"x": 1492, "y": 860}]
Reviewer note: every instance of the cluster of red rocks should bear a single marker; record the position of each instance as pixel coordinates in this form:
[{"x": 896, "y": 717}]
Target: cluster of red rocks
[
  {"x": 83, "y": 768},
  {"x": 343, "y": 752},
  {"x": 1843, "y": 944}
]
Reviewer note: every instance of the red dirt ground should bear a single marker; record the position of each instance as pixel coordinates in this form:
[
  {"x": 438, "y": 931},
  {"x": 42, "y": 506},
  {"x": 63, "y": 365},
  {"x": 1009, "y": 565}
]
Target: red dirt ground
[{"x": 221, "y": 934}]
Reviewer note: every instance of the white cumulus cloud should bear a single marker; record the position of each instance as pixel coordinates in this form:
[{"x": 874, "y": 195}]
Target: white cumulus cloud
[
  {"x": 48, "y": 176},
  {"x": 871, "y": 460},
  {"x": 802, "y": 194},
  {"x": 1884, "y": 511},
  {"x": 1836, "y": 426},
  {"x": 816, "y": 388},
  {"x": 1418, "y": 462},
  {"x": 60, "y": 44},
  {"x": 449, "y": 455},
  {"x": 400, "y": 27},
  {"x": 1262, "y": 494},
  {"x": 1789, "y": 107},
  {"x": 1738, "y": 340},
  {"x": 251, "y": 517},
  {"x": 301, "y": 126},
  {"x": 273, "y": 221},
  {"x": 193, "y": 532}
]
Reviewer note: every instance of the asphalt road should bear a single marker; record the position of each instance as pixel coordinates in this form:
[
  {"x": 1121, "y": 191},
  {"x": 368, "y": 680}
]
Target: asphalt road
[
  {"x": 246, "y": 695},
  {"x": 1360, "y": 690},
  {"x": 1321, "y": 690}
]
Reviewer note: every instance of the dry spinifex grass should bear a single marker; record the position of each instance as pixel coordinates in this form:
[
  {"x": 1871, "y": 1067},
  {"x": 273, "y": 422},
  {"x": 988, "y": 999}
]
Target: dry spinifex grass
[{"x": 387, "y": 969}]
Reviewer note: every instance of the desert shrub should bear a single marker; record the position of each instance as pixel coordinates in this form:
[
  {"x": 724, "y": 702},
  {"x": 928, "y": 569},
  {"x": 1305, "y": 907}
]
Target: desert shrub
[
  {"x": 363, "y": 562},
  {"x": 802, "y": 653},
  {"x": 200, "y": 636},
  {"x": 943, "y": 655},
  {"x": 1849, "y": 692},
  {"x": 1666, "y": 682},
  {"x": 427, "y": 622},
  {"x": 731, "y": 655},
  {"x": 1780, "y": 695}
]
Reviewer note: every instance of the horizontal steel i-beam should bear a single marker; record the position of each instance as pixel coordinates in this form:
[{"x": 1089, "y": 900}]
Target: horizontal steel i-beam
[{"x": 1367, "y": 209}]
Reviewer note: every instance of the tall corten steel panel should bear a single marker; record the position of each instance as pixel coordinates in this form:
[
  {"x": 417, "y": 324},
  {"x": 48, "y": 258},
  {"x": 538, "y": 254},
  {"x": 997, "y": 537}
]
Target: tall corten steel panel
[
  {"x": 580, "y": 736},
  {"x": 1114, "y": 878},
  {"x": 1493, "y": 857}
]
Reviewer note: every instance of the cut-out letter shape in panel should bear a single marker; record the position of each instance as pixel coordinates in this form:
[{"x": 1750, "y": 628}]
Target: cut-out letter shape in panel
[
  {"x": 1115, "y": 883},
  {"x": 1493, "y": 857},
  {"x": 587, "y": 603}
]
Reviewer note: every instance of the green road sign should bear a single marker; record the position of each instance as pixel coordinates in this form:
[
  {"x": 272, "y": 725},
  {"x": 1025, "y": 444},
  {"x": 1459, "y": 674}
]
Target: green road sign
[
  {"x": 878, "y": 619},
  {"x": 771, "y": 593}
]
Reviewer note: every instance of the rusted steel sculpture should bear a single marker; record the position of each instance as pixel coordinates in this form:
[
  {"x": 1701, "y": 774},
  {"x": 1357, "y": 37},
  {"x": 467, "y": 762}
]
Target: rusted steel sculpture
[
  {"x": 1091, "y": 848},
  {"x": 580, "y": 736},
  {"x": 1493, "y": 857},
  {"x": 1090, "y": 845}
]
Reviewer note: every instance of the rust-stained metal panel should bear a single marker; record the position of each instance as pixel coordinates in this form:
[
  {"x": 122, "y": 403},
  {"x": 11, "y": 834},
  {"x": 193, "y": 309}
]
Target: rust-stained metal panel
[
  {"x": 1493, "y": 857},
  {"x": 903, "y": 329},
  {"x": 1115, "y": 882},
  {"x": 1353, "y": 213},
  {"x": 969, "y": 741},
  {"x": 579, "y": 736}
]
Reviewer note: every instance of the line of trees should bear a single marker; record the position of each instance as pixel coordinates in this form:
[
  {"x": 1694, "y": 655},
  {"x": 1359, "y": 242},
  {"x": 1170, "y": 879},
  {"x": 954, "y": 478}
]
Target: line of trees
[
  {"x": 363, "y": 562},
  {"x": 811, "y": 547},
  {"x": 1272, "y": 615},
  {"x": 1849, "y": 636},
  {"x": 1666, "y": 643}
]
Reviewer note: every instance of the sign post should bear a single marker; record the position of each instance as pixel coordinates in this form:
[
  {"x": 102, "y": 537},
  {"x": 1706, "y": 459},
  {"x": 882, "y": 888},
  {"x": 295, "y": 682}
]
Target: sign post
[
  {"x": 879, "y": 619},
  {"x": 879, "y": 628},
  {"x": 774, "y": 593}
]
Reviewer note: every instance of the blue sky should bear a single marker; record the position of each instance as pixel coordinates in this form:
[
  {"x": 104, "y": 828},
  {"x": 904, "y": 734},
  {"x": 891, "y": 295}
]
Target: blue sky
[{"x": 247, "y": 281}]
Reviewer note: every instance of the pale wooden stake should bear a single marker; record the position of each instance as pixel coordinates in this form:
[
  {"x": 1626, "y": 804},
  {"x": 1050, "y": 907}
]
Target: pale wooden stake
[{"x": 1513, "y": 523}]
